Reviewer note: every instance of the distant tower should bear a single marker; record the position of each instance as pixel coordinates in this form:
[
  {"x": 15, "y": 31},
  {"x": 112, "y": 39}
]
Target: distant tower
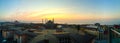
[
  {"x": 42, "y": 21},
  {"x": 46, "y": 20},
  {"x": 53, "y": 20}
]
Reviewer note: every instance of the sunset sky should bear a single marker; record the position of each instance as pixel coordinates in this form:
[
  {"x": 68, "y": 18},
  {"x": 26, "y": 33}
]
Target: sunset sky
[{"x": 63, "y": 11}]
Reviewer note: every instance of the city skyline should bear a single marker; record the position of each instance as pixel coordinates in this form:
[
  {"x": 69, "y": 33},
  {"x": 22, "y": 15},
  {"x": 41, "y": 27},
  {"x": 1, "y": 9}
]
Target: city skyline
[{"x": 63, "y": 11}]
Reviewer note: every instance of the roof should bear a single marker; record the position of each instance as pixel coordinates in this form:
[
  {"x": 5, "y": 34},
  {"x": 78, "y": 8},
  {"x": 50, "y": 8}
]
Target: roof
[{"x": 82, "y": 38}]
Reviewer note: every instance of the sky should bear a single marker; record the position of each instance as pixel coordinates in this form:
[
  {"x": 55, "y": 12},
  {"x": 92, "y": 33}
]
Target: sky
[{"x": 63, "y": 11}]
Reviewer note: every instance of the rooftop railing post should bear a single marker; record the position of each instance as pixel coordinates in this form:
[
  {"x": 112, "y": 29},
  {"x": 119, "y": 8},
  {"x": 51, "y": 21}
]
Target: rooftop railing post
[{"x": 109, "y": 35}]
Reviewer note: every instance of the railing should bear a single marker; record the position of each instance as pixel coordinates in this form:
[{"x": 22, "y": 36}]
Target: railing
[
  {"x": 115, "y": 31},
  {"x": 111, "y": 31},
  {"x": 113, "y": 36}
]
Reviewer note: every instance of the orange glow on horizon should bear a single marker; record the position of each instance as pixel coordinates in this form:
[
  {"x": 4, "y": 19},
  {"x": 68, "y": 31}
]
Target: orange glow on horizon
[{"x": 59, "y": 14}]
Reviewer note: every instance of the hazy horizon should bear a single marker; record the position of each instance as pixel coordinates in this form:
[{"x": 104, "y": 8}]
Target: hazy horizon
[{"x": 63, "y": 11}]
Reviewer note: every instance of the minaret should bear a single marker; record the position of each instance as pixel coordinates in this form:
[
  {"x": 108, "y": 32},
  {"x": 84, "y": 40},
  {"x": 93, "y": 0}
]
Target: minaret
[
  {"x": 53, "y": 20},
  {"x": 42, "y": 21},
  {"x": 45, "y": 20}
]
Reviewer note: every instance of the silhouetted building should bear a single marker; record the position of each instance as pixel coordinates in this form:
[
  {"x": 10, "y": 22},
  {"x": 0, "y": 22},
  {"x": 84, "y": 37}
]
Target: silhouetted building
[{"x": 50, "y": 24}]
